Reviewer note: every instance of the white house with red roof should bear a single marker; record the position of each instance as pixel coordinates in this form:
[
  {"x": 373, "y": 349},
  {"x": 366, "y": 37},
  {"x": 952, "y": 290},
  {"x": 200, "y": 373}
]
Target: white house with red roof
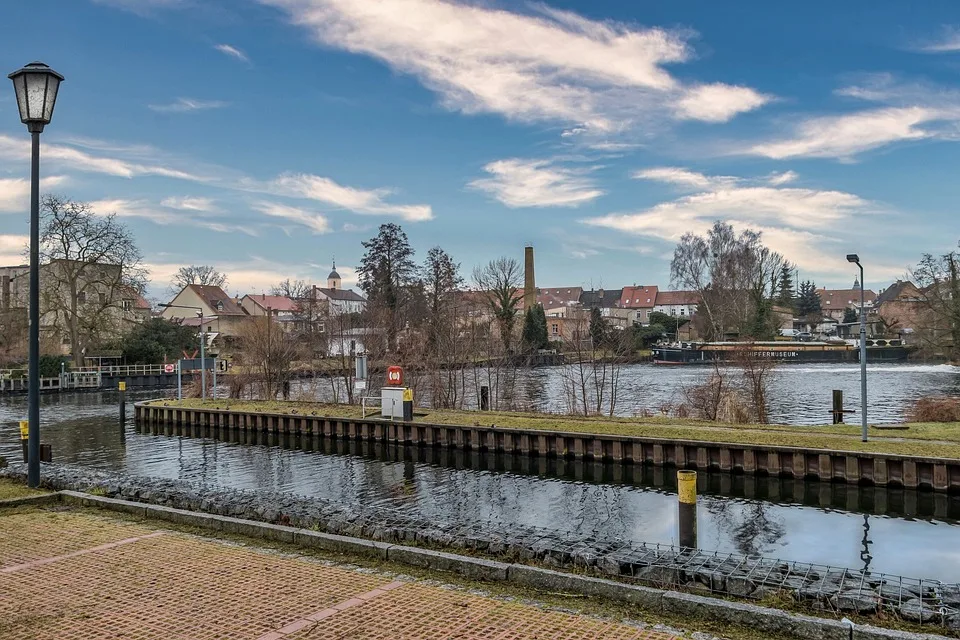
[
  {"x": 677, "y": 303},
  {"x": 642, "y": 299}
]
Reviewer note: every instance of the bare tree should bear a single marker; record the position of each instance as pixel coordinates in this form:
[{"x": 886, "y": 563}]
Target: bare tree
[
  {"x": 735, "y": 276},
  {"x": 757, "y": 368},
  {"x": 939, "y": 279},
  {"x": 197, "y": 274},
  {"x": 500, "y": 280},
  {"x": 267, "y": 353},
  {"x": 91, "y": 264},
  {"x": 294, "y": 289}
]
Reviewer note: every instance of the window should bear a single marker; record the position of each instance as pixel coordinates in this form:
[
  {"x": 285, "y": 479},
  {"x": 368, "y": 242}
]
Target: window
[
  {"x": 127, "y": 305},
  {"x": 683, "y": 311},
  {"x": 555, "y": 328},
  {"x": 219, "y": 305},
  {"x": 82, "y": 297},
  {"x": 102, "y": 297}
]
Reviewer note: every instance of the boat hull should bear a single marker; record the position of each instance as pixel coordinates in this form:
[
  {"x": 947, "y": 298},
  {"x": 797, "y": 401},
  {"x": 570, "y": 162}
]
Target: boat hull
[{"x": 789, "y": 353}]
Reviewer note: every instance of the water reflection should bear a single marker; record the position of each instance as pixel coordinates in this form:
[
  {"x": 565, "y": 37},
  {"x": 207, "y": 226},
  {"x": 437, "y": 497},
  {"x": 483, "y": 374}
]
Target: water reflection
[{"x": 907, "y": 532}]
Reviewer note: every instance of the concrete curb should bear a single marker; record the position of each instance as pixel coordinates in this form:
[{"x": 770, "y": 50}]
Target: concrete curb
[
  {"x": 43, "y": 498},
  {"x": 773, "y": 621}
]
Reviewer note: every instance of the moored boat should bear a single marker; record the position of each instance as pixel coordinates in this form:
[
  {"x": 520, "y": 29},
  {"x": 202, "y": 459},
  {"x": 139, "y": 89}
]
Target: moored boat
[{"x": 878, "y": 350}]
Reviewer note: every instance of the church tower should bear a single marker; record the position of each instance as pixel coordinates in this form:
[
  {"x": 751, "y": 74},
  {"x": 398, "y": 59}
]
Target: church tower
[{"x": 333, "y": 280}]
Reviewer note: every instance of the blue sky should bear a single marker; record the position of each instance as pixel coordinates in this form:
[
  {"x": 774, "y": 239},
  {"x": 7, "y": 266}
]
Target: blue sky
[{"x": 267, "y": 136}]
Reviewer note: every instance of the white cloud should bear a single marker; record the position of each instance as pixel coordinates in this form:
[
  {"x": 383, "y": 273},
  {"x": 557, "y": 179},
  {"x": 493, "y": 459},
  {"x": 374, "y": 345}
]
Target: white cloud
[
  {"x": 232, "y": 51},
  {"x": 847, "y": 135},
  {"x": 310, "y": 219},
  {"x": 545, "y": 65},
  {"x": 949, "y": 42},
  {"x": 15, "y": 192},
  {"x": 718, "y": 102},
  {"x": 795, "y": 221},
  {"x": 18, "y": 150},
  {"x": 144, "y": 209},
  {"x": 184, "y": 105},
  {"x": 328, "y": 191},
  {"x": 682, "y": 177},
  {"x": 778, "y": 179},
  {"x": 517, "y": 182},
  {"x": 13, "y": 249},
  {"x": 189, "y": 203}
]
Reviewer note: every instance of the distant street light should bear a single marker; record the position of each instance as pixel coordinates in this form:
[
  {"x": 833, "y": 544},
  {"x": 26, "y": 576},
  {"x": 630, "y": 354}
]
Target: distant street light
[
  {"x": 203, "y": 344},
  {"x": 36, "y": 86},
  {"x": 854, "y": 258}
]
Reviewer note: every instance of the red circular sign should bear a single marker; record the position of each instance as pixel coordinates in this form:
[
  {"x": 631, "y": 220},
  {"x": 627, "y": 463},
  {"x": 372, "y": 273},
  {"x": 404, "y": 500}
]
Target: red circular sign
[
  {"x": 169, "y": 368},
  {"x": 394, "y": 376}
]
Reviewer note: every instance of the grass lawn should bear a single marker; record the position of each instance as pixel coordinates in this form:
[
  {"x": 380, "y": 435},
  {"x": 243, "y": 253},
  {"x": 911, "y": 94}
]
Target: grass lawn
[
  {"x": 15, "y": 489},
  {"x": 940, "y": 440}
]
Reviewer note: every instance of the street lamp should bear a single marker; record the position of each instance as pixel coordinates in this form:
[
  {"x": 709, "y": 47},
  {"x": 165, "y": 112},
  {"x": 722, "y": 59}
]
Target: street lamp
[
  {"x": 203, "y": 344},
  {"x": 854, "y": 258},
  {"x": 36, "y": 86}
]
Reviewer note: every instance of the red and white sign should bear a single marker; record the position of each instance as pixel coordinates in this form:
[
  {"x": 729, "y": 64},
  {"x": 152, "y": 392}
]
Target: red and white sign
[
  {"x": 169, "y": 368},
  {"x": 395, "y": 376}
]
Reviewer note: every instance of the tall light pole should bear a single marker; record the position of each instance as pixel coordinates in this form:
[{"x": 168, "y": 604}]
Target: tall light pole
[
  {"x": 36, "y": 86},
  {"x": 203, "y": 346},
  {"x": 854, "y": 258}
]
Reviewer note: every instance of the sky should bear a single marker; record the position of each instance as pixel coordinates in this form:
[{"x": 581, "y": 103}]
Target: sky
[{"x": 270, "y": 137}]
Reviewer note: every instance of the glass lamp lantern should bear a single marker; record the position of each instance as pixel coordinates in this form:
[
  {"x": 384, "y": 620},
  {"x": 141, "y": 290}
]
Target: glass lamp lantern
[{"x": 36, "y": 86}]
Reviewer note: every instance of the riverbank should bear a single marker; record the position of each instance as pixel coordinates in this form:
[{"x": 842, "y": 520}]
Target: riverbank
[
  {"x": 940, "y": 440},
  {"x": 302, "y": 526}
]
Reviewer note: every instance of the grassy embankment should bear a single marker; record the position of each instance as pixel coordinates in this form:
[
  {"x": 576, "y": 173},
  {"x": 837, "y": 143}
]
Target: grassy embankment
[
  {"x": 10, "y": 489},
  {"x": 920, "y": 439}
]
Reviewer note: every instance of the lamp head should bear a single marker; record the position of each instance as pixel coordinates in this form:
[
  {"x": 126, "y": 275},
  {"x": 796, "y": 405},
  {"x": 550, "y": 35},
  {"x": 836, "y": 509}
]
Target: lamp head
[
  {"x": 852, "y": 257},
  {"x": 36, "y": 86}
]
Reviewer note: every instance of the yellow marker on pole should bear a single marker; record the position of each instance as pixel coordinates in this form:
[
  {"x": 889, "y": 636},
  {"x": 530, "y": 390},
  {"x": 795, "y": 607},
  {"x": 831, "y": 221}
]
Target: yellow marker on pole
[
  {"x": 687, "y": 507},
  {"x": 123, "y": 386},
  {"x": 24, "y": 435}
]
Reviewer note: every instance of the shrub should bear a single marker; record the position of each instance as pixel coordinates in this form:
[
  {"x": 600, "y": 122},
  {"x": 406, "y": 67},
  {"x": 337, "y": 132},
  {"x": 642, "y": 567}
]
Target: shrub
[{"x": 935, "y": 409}]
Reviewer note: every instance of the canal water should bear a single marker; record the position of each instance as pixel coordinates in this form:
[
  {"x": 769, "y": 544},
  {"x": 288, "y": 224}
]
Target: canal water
[
  {"x": 798, "y": 394},
  {"x": 894, "y": 531}
]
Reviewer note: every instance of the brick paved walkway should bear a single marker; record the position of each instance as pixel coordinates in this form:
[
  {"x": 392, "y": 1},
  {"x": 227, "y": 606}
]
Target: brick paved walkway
[{"x": 78, "y": 576}]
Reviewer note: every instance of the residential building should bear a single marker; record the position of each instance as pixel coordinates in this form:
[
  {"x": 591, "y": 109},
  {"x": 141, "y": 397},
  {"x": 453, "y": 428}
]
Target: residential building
[
  {"x": 559, "y": 297},
  {"x": 279, "y": 307},
  {"x": 641, "y": 299},
  {"x": 608, "y": 302},
  {"x": 677, "y": 303},
  {"x": 221, "y": 313},
  {"x": 835, "y": 302},
  {"x": 82, "y": 305},
  {"x": 900, "y": 308},
  {"x": 338, "y": 300}
]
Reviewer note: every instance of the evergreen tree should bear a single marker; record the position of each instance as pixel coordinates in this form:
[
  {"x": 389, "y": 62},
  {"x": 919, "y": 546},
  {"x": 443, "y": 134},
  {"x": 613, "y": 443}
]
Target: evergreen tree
[
  {"x": 850, "y": 315},
  {"x": 808, "y": 300},
  {"x": 387, "y": 267},
  {"x": 534, "y": 334},
  {"x": 598, "y": 328},
  {"x": 785, "y": 292}
]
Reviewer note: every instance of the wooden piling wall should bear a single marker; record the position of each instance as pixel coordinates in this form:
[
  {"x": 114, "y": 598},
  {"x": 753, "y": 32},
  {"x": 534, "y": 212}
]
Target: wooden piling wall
[{"x": 851, "y": 467}]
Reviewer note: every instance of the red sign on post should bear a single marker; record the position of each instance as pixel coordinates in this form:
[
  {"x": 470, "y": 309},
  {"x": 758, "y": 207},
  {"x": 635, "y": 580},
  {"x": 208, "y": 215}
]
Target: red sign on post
[{"x": 394, "y": 376}]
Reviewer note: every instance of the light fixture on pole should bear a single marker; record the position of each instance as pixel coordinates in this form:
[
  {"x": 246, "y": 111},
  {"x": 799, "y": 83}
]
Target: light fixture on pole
[
  {"x": 854, "y": 258},
  {"x": 36, "y": 86}
]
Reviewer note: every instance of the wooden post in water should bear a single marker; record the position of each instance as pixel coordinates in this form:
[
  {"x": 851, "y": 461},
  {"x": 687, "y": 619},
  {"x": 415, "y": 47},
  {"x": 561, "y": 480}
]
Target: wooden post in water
[
  {"x": 122, "y": 386},
  {"x": 687, "y": 508},
  {"x": 837, "y": 406}
]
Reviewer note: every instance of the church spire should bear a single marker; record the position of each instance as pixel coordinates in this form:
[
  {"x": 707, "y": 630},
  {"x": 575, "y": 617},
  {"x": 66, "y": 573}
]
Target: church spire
[{"x": 856, "y": 284}]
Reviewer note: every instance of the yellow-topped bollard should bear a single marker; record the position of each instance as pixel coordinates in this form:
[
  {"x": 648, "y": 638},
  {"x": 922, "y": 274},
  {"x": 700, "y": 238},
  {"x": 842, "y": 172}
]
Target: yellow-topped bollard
[
  {"x": 122, "y": 387},
  {"x": 687, "y": 508},
  {"x": 24, "y": 437}
]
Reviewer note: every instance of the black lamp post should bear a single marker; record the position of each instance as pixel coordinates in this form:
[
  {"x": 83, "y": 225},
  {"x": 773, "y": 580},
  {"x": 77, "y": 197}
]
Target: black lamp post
[
  {"x": 854, "y": 258},
  {"x": 36, "y": 86}
]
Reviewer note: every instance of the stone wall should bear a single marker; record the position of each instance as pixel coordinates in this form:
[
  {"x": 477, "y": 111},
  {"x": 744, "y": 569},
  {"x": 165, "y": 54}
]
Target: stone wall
[{"x": 815, "y": 587}]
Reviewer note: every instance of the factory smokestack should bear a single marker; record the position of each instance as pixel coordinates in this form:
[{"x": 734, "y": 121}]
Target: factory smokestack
[{"x": 529, "y": 280}]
